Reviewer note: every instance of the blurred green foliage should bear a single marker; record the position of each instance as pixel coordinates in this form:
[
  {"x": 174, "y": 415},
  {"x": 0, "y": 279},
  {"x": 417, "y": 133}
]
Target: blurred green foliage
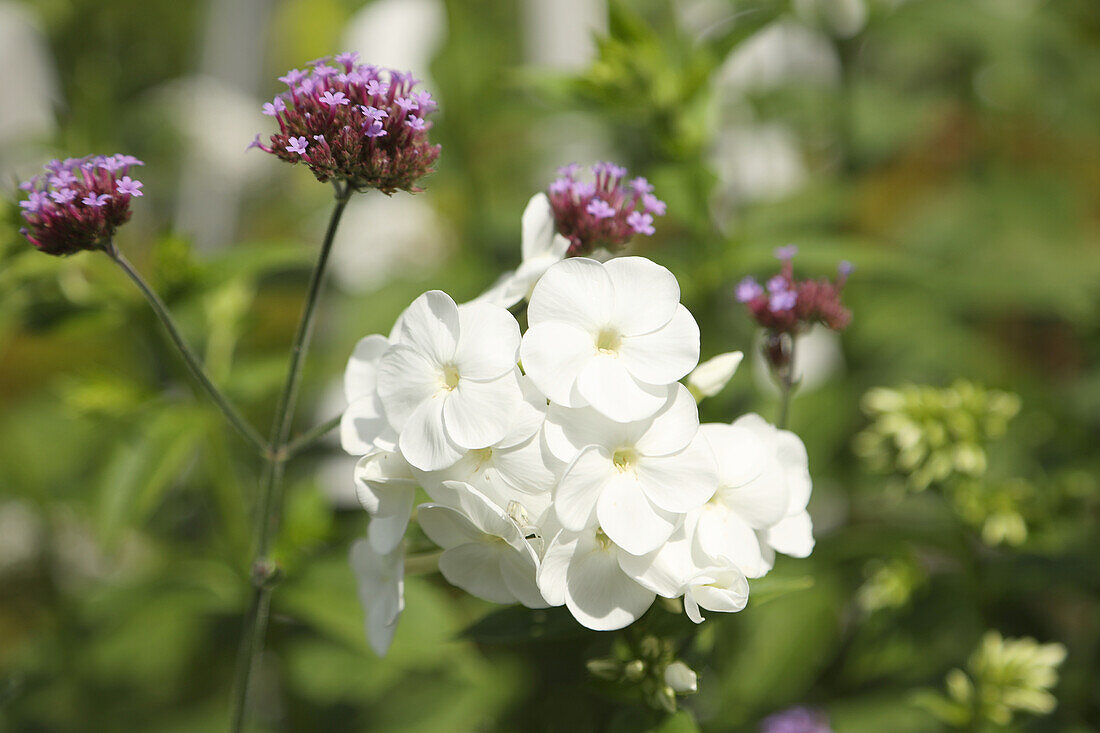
[{"x": 954, "y": 157}]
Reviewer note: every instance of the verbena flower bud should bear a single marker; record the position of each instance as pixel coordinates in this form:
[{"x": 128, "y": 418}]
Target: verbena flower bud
[
  {"x": 357, "y": 123},
  {"x": 607, "y": 213},
  {"x": 78, "y": 203}
]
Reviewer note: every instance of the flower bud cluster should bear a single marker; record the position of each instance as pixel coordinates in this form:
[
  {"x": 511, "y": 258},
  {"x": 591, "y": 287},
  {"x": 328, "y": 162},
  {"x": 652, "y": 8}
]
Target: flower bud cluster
[
  {"x": 929, "y": 435},
  {"x": 354, "y": 122},
  {"x": 78, "y": 203},
  {"x": 606, "y": 213},
  {"x": 786, "y": 305},
  {"x": 584, "y": 478},
  {"x": 1004, "y": 677}
]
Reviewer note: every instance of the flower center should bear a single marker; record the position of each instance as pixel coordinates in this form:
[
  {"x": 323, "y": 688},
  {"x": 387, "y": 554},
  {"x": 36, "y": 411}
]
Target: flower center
[
  {"x": 608, "y": 341},
  {"x": 449, "y": 377},
  {"x": 624, "y": 459},
  {"x": 602, "y": 540},
  {"x": 481, "y": 456}
]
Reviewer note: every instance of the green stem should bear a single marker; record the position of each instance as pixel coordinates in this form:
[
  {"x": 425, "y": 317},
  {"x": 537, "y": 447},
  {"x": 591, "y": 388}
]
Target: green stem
[
  {"x": 264, "y": 568},
  {"x": 193, "y": 362},
  {"x": 785, "y": 377},
  {"x": 308, "y": 438}
]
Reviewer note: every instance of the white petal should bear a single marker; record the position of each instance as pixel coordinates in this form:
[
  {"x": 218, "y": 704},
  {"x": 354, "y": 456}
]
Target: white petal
[
  {"x": 505, "y": 292},
  {"x": 740, "y": 454},
  {"x": 674, "y": 425},
  {"x": 646, "y": 295},
  {"x": 578, "y": 491},
  {"x": 478, "y": 414},
  {"x": 568, "y": 430},
  {"x": 793, "y": 536},
  {"x": 405, "y": 380},
  {"x": 726, "y": 591},
  {"x": 359, "y": 377},
  {"x": 629, "y": 519},
  {"x": 708, "y": 379},
  {"x": 723, "y": 536},
  {"x": 682, "y": 481},
  {"x": 553, "y": 355},
  {"x": 475, "y": 568},
  {"x": 424, "y": 441},
  {"x": 381, "y": 586},
  {"x": 529, "y": 414},
  {"x": 666, "y": 570},
  {"x": 664, "y": 355},
  {"x": 691, "y": 608},
  {"x": 607, "y": 385},
  {"x": 363, "y": 423},
  {"x": 518, "y": 570},
  {"x": 380, "y": 468},
  {"x": 446, "y": 526},
  {"x": 552, "y": 573},
  {"x": 791, "y": 453},
  {"x": 538, "y": 226},
  {"x": 488, "y": 341},
  {"x": 577, "y": 292},
  {"x": 599, "y": 595},
  {"x": 525, "y": 467},
  {"x": 388, "y": 524},
  {"x": 431, "y": 326}
]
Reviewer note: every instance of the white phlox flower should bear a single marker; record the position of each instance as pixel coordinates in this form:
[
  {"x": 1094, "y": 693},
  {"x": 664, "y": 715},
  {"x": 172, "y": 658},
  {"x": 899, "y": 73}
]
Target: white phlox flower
[
  {"x": 541, "y": 247},
  {"x": 516, "y": 469},
  {"x": 611, "y": 335},
  {"x": 449, "y": 383},
  {"x": 636, "y": 480},
  {"x": 677, "y": 569},
  {"x": 763, "y": 487},
  {"x": 380, "y": 578},
  {"x": 484, "y": 551},
  {"x": 581, "y": 571}
]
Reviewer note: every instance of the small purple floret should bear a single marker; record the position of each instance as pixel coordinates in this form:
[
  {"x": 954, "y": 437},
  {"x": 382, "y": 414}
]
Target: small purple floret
[
  {"x": 297, "y": 145},
  {"x": 600, "y": 209},
  {"x": 786, "y": 253},
  {"x": 641, "y": 223},
  {"x": 129, "y": 186},
  {"x": 748, "y": 289}
]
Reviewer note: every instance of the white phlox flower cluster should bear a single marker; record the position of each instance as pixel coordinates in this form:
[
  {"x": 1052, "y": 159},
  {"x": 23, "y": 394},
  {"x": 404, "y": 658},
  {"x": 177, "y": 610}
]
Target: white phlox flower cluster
[{"x": 566, "y": 466}]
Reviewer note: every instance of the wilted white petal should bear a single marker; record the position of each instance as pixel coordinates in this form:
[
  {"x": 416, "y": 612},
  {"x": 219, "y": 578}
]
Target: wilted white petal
[{"x": 381, "y": 584}]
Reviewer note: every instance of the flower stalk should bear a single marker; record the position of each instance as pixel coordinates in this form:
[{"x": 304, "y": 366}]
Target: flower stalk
[
  {"x": 192, "y": 360},
  {"x": 264, "y": 568}
]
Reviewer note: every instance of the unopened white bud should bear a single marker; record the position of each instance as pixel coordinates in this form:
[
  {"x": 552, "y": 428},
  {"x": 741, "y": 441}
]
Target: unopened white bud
[
  {"x": 712, "y": 375},
  {"x": 681, "y": 678}
]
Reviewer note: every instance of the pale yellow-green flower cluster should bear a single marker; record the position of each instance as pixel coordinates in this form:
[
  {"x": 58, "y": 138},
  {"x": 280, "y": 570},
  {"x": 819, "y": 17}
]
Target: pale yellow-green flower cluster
[
  {"x": 1004, "y": 677},
  {"x": 930, "y": 435}
]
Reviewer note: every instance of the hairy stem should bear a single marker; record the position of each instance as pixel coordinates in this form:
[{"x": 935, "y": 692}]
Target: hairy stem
[
  {"x": 309, "y": 438},
  {"x": 264, "y": 569},
  {"x": 192, "y": 360}
]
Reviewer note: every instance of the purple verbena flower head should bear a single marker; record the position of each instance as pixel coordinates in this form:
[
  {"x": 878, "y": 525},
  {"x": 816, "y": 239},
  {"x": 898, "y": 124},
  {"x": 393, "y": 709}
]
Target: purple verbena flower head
[
  {"x": 370, "y": 125},
  {"x": 606, "y": 212},
  {"x": 80, "y": 204},
  {"x": 790, "y": 305},
  {"x": 796, "y": 720},
  {"x": 748, "y": 289}
]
